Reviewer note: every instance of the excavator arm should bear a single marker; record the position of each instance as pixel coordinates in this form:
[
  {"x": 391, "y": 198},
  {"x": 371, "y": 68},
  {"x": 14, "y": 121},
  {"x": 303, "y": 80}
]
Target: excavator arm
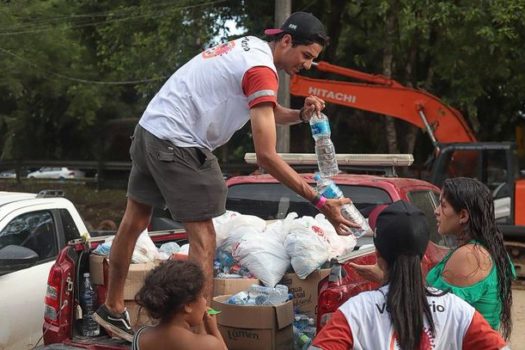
[
  {"x": 444, "y": 124},
  {"x": 378, "y": 94}
]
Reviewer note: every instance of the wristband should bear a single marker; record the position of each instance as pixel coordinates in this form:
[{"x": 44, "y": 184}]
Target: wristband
[
  {"x": 301, "y": 116},
  {"x": 316, "y": 199},
  {"x": 321, "y": 202}
]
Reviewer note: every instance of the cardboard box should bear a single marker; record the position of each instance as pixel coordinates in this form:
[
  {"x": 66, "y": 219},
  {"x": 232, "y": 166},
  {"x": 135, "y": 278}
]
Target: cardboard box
[
  {"x": 228, "y": 286},
  {"x": 138, "y": 316},
  {"x": 135, "y": 279},
  {"x": 305, "y": 291},
  {"x": 255, "y": 327},
  {"x": 98, "y": 269}
]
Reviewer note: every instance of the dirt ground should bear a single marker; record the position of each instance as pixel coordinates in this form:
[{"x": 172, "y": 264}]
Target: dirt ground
[{"x": 517, "y": 338}]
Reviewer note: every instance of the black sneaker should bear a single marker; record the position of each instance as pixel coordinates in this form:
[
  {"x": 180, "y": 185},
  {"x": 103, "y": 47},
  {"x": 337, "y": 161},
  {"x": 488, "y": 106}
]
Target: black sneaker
[{"x": 118, "y": 325}]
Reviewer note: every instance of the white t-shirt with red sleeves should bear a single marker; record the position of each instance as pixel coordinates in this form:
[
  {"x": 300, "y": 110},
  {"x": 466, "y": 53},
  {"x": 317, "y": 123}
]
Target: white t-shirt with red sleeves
[
  {"x": 206, "y": 100},
  {"x": 363, "y": 323}
]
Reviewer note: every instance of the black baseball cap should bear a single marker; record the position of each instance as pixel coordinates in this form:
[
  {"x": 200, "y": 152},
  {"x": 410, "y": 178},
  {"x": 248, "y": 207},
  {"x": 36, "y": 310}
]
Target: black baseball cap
[
  {"x": 302, "y": 25},
  {"x": 400, "y": 229}
]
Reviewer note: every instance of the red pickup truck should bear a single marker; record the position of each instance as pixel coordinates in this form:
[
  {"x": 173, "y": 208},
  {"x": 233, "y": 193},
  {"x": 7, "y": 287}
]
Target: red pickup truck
[{"x": 265, "y": 197}]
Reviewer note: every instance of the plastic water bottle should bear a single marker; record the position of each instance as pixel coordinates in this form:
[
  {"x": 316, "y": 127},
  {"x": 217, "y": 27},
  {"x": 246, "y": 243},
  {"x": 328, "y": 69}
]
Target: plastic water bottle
[
  {"x": 225, "y": 259},
  {"x": 240, "y": 298},
  {"x": 324, "y": 148},
  {"x": 302, "y": 321},
  {"x": 267, "y": 295},
  {"x": 90, "y": 327},
  {"x": 337, "y": 273},
  {"x": 216, "y": 268},
  {"x": 302, "y": 341},
  {"x": 328, "y": 189}
]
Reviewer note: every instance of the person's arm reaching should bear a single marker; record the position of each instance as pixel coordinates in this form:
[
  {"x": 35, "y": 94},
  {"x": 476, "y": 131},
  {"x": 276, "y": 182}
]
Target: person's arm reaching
[
  {"x": 264, "y": 139},
  {"x": 371, "y": 273}
]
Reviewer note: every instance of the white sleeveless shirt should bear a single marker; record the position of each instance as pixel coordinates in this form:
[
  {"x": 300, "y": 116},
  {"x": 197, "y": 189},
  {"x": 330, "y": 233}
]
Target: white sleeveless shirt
[
  {"x": 372, "y": 329},
  {"x": 202, "y": 104}
]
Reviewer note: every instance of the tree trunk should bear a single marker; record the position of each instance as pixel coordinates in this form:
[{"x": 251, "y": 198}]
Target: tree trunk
[
  {"x": 283, "y": 9},
  {"x": 333, "y": 27},
  {"x": 391, "y": 23},
  {"x": 411, "y": 132}
]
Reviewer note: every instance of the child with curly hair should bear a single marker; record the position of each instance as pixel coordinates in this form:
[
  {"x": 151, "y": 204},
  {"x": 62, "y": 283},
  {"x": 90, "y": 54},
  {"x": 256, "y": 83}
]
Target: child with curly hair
[{"x": 173, "y": 295}]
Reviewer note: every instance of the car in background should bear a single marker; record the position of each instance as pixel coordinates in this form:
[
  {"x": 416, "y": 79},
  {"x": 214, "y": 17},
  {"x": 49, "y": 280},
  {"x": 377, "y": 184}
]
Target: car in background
[
  {"x": 8, "y": 174},
  {"x": 11, "y": 173},
  {"x": 56, "y": 173}
]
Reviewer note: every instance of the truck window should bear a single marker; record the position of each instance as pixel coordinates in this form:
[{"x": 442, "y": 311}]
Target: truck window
[
  {"x": 70, "y": 228},
  {"x": 35, "y": 230},
  {"x": 427, "y": 201},
  {"x": 271, "y": 201},
  {"x": 495, "y": 169}
]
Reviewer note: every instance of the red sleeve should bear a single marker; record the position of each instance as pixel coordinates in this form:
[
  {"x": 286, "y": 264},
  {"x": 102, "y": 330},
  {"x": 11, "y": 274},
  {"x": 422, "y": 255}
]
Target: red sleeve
[
  {"x": 260, "y": 84},
  {"x": 481, "y": 336},
  {"x": 336, "y": 335}
]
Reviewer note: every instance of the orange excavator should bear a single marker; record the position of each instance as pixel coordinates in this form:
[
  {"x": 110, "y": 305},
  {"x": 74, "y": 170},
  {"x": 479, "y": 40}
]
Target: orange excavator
[{"x": 457, "y": 151}]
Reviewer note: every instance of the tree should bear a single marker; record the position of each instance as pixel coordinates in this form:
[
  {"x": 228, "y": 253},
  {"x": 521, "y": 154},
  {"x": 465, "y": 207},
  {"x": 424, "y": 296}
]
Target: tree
[
  {"x": 70, "y": 68},
  {"x": 41, "y": 104}
]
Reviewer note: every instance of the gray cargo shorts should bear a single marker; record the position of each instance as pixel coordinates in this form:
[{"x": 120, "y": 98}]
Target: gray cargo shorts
[{"x": 186, "y": 180}]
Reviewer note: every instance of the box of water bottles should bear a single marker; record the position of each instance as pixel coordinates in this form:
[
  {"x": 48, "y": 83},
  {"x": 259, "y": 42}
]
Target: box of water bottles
[
  {"x": 229, "y": 276},
  {"x": 304, "y": 291},
  {"x": 258, "y": 326},
  {"x": 226, "y": 286}
]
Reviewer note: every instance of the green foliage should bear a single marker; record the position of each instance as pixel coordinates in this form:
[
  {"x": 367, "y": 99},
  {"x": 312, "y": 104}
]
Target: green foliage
[
  {"x": 72, "y": 68},
  {"x": 468, "y": 53}
]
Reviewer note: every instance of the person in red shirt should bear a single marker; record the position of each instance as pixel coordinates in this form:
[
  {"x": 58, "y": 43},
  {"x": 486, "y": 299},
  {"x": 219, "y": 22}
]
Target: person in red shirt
[
  {"x": 197, "y": 110},
  {"x": 404, "y": 313}
]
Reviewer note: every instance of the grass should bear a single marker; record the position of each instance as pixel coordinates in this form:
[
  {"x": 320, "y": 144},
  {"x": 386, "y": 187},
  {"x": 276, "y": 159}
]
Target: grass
[{"x": 95, "y": 206}]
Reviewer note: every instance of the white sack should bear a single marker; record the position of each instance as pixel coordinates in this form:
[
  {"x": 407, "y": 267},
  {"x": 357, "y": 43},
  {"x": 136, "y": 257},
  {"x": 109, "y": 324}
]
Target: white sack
[
  {"x": 306, "y": 246},
  {"x": 234, "y": 230},
  {"x": 221, "y": 227},
  {"x": 145, "y": 250},
  {"x": 264, "y": 256},
  {"x": 339, "y": 245},
  {"x": 280, "y": 228}
]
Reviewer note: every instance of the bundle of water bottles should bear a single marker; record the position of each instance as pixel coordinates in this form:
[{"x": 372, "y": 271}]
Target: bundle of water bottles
[
  {"x": 327, "y": 163},
  {"x": 303, "y": 331},
  {"x": 225, "y": 266},
  {"x": 261, "y": 295}
]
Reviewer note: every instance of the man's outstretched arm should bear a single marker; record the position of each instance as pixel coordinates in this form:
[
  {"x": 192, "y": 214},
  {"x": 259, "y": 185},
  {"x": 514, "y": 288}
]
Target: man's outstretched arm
[{"x": 264, "y": 139}]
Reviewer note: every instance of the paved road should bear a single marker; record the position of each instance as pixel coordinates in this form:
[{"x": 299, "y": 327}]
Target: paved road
[{"x": 517, "y": 339}]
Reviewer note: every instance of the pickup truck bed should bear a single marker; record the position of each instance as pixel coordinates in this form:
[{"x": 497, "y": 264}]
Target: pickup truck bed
[{"x": 259, "y": 195}]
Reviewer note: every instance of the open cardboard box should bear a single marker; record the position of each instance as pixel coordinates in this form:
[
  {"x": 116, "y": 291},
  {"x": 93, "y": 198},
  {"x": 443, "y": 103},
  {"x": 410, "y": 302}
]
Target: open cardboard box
[
  {"x": 98, "y": 269},
  {"x": 255, "y": 327},
  {"x": 228, "y": 286},
  {"x": 305, "y": 291}
]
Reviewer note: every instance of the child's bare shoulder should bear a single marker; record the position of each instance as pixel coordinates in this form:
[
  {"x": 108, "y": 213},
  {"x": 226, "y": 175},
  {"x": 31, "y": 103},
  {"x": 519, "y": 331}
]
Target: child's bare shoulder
[{"x": 191, "y": 341}]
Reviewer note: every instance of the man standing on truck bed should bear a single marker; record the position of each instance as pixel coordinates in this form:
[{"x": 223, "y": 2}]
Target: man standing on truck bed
[{"x": 197, "y": 110}]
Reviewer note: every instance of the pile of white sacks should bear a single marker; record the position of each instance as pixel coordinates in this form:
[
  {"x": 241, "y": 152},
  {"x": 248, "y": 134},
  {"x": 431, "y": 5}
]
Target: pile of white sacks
[{"x": 268, "y": 249}]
